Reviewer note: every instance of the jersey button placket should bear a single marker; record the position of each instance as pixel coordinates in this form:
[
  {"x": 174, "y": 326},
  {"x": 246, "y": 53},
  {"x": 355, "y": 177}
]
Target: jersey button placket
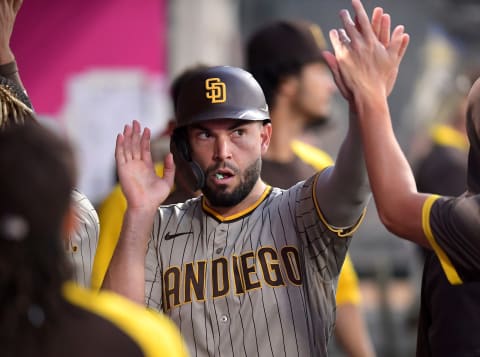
[
  {"x": 224, "y": 319},
  {"x": 220, "y": 237}
]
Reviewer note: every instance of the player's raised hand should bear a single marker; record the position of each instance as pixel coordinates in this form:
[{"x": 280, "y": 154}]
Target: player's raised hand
[
  {"x": 8, "y": 13},
  {"x": 141, "y": 186},
  {"x": 366, "y": 56}
]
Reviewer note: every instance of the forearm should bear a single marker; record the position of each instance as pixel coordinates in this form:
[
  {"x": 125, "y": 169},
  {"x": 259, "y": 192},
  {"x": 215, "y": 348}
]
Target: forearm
[
  {"x": 351, "y": 332},
  {"x": 393, "y": 185},
  {"x": 344, "y": 190},
  {"x": 126, "y": 273}
]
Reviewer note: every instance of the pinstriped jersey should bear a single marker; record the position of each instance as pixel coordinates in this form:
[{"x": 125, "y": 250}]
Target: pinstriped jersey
[
  {"x": 261, "y": 282},
  {"x": 82, "y": 243}
]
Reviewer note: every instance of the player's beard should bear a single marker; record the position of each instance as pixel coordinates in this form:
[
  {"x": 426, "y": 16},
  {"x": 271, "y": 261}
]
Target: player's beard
[{"x": 219, "y": 198}]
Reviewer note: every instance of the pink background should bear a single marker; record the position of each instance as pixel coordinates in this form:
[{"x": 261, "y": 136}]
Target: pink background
[{"x": 55, "y": 39}]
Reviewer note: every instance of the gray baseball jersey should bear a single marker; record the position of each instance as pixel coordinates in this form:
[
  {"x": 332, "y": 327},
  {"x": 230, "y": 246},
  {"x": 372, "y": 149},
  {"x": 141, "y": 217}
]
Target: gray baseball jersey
[
  {"x": 259, "y": 283},
  {"x": 83, "y": 242}
]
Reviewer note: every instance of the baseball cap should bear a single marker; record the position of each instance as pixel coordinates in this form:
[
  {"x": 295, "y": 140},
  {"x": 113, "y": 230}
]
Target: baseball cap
[{"x": 285, "y": 42}]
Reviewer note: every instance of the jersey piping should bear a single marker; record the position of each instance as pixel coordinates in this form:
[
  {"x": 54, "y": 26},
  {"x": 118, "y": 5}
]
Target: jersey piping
[
  {"x": 447, "y": 265},
  {"x": 340, "y": 232},
  {"x": 238, "y": 215}
]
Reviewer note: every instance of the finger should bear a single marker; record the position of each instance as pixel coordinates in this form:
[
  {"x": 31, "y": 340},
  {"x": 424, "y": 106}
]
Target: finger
[
  {"x": 335, "y": 70},
  {"x": 119, "y": 151},
  {"x": 349, "y": 27},
  {"x": 362, "y": 18},
  {"x": 403, "y": 46},
  {"x": 136, "y": 149},
  {"x": 17, "y": 4},
  {"x": 127, "y": 143},
  {"x": 146, "y": 154},
  {"x": 335, "y": 40},
  {"x": 169, "y": 169},
  {"x": 344, "y": 39},
  {"x": 376, "y": 20},
  {"x": 384, "y": 37},
  {"x": 396, "y": 42}
]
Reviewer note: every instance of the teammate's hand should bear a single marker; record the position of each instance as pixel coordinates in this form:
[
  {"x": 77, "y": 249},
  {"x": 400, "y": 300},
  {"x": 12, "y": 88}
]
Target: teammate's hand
[
  {"x": 367, "y": 57},
  {"x": 141, "y": 186},
  {"x": 8, "y": 13}
]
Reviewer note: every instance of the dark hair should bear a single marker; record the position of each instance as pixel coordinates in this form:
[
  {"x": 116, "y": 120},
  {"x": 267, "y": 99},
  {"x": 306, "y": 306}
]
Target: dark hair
[
  {"x": 37, "y": 177},
  {"x": 280, "y": 49},
  {"x": 270, "y": 78}
]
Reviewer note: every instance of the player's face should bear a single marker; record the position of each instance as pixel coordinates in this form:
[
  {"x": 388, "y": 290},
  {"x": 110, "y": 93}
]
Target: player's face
[
  {"x": 229, "y": 152},
  {"x": 315, "y": 90}
]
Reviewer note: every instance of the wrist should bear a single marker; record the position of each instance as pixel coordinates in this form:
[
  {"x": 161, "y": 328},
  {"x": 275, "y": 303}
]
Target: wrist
[
  {"x": 6, "y": 56},
  {"x": 366, "y": 101}
]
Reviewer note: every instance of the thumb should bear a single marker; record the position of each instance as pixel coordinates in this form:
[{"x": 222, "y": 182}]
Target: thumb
[
  {"x": 169, "y": 169},
  {"x": 337, "y": 77}
]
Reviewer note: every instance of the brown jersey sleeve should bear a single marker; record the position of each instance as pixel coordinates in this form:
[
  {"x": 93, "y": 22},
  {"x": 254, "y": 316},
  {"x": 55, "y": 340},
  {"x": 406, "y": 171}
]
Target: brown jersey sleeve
[{"x": 452, "y": 226}]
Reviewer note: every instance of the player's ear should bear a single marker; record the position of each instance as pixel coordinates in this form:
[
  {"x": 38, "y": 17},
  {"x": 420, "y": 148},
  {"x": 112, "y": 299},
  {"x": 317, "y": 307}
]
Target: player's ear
[
  {"x": 265, "y": 134},
  {"x": 288, "y": 86}
]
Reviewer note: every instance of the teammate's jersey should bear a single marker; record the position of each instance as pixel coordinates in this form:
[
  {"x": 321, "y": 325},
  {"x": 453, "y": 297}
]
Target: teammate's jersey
[
  {"x": 258, "y": 283},
  {"x": 102, "y": 324},
  {"x": 449, "y": 224},
  {"x": 82, "y": 243}
]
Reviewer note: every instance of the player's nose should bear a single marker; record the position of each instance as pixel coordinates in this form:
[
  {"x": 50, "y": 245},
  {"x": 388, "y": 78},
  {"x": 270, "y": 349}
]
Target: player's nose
[{"x": 222, "y": 149}]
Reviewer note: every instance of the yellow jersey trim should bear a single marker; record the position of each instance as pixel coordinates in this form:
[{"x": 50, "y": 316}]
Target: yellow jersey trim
[
  {"x": 155, "y": 334},
  {"x": 311, "y": 155},
  {"x": 448, "y": 136},
  {"x": 244, "y": 212},
  {"x": 341, "y": 232},
  {"x": 447, "y": 265}
]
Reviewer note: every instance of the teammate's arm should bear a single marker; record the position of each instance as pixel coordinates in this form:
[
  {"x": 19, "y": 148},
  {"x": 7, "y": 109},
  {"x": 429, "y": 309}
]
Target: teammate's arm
[
  {"x": 366, "y": 65},
  {"x": 8, "y": 66},
  {"x": 343, "y": 190},
  {"x": 144, "y": 192}
]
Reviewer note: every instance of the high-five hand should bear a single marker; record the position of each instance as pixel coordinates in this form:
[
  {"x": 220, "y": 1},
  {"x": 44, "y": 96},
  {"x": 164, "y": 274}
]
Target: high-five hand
[
  {"x": 140, "y": 184},
  {"x": 367, "y": 57}
]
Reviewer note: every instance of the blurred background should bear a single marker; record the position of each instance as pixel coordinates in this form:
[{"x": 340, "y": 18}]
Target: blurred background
[{"x": 91, "y": 67}]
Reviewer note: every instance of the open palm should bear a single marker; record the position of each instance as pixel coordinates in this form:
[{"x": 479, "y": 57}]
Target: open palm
[{"x": 140, "y": 184}]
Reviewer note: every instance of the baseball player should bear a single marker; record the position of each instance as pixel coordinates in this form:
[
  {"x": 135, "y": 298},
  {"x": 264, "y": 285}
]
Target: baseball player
[
  {"x": 42, "y": 312},
  {"x": 17, "y": 109},
  {"x": 447, "y": 225},
  {"x": 82, "y": 243},
  {"x": 245, "y": 269},
  {"x": 447, "y": 158},
  {"x": 113, "y": 207},
  {"x": 285, "y": 57}
]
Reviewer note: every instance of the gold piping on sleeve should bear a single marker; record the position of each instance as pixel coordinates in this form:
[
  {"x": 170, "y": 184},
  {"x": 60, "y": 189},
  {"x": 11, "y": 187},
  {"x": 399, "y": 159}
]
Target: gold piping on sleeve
[
  {"x": 244, "y": 212},
  {"x": 447, "y": 265},
  {"x": 340, "y": 232}
]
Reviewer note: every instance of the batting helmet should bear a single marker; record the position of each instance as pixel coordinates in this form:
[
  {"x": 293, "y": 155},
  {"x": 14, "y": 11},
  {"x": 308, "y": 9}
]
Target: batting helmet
[
  {"x": 220, "y": 93},
  {"x": 214, "y": 93}
]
